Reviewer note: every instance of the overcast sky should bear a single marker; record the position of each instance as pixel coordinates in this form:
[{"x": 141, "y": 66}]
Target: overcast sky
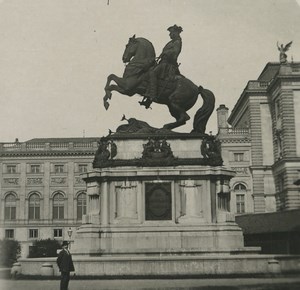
[{"x": 55, "y": 56}]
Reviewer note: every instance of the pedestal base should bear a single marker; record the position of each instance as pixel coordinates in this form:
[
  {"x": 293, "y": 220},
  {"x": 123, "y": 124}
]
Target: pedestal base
[
  {"x": 175, "y": 266},
  {"x": 92, "y": 240},
  {"x": 180, "y": 206}
]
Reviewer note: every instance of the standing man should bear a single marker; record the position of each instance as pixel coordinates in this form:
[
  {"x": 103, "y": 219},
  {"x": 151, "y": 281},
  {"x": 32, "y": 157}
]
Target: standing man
[
  {"x": 65, "y": 264},
  {"x": 167, "y": 66}
]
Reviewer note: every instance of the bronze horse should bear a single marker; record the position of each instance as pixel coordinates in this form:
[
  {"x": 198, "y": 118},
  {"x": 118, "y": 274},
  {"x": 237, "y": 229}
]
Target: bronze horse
[{"x": 179, "y": 94}]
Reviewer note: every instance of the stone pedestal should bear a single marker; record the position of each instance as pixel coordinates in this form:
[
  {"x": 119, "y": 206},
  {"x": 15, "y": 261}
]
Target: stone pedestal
[{"x": 158, "y": 197}]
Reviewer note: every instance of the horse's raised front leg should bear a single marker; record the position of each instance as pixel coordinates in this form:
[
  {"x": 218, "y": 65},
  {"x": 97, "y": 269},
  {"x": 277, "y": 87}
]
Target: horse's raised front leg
[
  {"x": 109, "y": 88},
  {"x": 123, "y": 86}
]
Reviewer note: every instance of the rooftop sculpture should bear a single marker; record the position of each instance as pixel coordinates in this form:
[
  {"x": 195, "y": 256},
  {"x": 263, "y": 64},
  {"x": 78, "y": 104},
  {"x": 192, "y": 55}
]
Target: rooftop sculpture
[{"x": 283, "y": 49}]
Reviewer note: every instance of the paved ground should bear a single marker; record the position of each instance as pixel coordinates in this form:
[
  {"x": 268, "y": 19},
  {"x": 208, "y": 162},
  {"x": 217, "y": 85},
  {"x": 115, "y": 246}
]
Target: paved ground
[{"x": 201, "y": 284}]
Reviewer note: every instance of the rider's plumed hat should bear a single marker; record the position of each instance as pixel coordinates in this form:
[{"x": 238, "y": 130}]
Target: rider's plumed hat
[{"x": 175, "y": 28}]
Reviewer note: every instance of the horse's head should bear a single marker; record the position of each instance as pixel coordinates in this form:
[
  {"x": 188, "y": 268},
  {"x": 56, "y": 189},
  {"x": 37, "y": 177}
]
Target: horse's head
[{"x": 130, "y": 49}]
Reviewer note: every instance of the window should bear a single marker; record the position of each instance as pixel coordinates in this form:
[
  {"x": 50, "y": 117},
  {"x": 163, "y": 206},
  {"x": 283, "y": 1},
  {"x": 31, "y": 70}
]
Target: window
[
  {"x": 34, "y": 207},
  {"x": 58, "y": 206},
  {"x": 223, "y": 200},
  {"x": 82, "y": 168},
  {"x": 81, "y": 205},
  {"x": 57, "y": 233},
  {"x": 33, "y": 233},
  {"x": 35, "y": 168},
  {"x": 240, "y": 187},
  {"x": 238, "y": 157},
  {"x": 10, "y": 207},
  {"x": 59, "y": 168},
  {"x": 240, "y": 197},
  {"x": 11, "y": 168},
  {"x": 240, "y": 203},
  {"x": 9, "y": 234}
]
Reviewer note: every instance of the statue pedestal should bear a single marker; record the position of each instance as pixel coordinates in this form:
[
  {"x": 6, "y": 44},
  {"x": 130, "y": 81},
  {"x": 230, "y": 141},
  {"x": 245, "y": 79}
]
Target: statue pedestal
[{"x": 149, "y": 200}]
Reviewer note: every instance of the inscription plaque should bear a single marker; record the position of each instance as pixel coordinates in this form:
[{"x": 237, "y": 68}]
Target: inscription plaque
[{"x": 158, "y": 201}]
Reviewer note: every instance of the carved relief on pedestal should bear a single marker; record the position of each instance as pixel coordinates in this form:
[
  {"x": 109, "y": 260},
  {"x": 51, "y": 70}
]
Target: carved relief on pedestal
[
  {"x": 158, "y": 201},
  {"x": 126, "y": 200},
  {"x": 191, "y": 201}
]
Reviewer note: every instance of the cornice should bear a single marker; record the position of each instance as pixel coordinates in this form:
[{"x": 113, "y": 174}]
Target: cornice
[
  {"x": 260, "y": 167},
  {"x": 276, "y": 82},
  {"x": 46, "y": 153},
  {"x": 282, "y": 161},
  {"x": 167, "y": 134},
  {"x": 161, "y": 162},
  {"x": 252, "y": 90}
]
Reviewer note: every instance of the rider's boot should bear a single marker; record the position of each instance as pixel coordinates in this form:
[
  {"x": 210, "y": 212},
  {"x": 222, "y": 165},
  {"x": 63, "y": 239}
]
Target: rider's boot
[
  {"x": 146, "y": 102},
  {"x": 151, "y": 93}
]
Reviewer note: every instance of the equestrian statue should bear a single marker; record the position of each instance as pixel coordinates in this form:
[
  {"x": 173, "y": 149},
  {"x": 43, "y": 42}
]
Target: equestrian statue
[{"x": 159, "y": 80}]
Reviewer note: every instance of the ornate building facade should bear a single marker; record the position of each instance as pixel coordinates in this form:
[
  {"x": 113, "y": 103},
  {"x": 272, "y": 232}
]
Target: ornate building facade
[
  {"x": 236, "y": 154},
  {"x": 42, "y": 193},
  {"x": 264, "y": 140}
]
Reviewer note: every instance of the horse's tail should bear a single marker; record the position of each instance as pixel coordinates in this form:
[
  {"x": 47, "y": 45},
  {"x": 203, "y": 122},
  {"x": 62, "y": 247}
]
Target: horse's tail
[{"x": 203, "y": 114}]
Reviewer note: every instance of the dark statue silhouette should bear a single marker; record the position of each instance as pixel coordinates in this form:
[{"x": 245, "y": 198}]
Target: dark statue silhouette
[
  {"x": 283, "y": 49},
  {"x": 174, "y": 90}
]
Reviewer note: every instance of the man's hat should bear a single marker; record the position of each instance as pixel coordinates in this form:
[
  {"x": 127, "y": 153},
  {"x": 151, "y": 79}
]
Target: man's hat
[
  {"x": 175, "y": 28},
  {"x": 65, "y": 243}
]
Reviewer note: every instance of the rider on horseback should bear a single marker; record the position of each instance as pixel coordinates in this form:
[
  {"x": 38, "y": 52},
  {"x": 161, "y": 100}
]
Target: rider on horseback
[
  {"x": 167, "y": 67},
  {"x": 175, "y": 91}
]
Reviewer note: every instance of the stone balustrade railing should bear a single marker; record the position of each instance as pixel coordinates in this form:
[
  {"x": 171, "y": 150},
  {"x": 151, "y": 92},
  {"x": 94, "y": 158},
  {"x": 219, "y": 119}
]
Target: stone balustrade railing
[
  {"x": 229, "y": 133},
  {"x": 46, "y": 146},
  {"x": 257, "y": 85},
  {"x": 239, "y": 131}
]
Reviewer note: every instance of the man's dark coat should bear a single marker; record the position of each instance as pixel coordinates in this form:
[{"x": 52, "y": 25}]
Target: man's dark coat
[{"x": 64, "y": 261}]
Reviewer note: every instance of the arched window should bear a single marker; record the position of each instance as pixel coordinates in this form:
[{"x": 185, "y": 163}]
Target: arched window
[
  {"x": 240, "y": 187},
  {"x": 58, "y": 206},
  {"x": 10, "y": 207},
  {"x": 81, "y": 205},
  {"x": 34, "y": 207},
  {"x": 240, "y": 192}
]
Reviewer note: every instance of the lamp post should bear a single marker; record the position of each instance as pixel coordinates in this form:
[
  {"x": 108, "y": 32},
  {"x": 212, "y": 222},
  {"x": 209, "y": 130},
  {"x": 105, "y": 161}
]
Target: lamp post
[{"x": 70, "y": 232}]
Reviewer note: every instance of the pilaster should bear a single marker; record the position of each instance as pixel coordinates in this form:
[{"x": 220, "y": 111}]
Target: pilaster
[{"x": 192, "y": 205}]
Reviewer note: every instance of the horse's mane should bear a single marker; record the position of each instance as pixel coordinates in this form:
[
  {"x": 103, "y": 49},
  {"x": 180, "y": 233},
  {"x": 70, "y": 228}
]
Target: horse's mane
[{"x": 146, "y": 43}]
